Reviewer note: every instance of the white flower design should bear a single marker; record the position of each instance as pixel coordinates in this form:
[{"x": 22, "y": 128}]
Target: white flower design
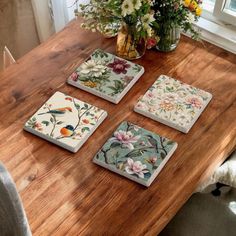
[
  {"x": 92, "y": 67},
  {"x": 126, "y": 138},
  {"x": 136, "y": 167},
  {"x": 147, "y": 20},
  {"x": 142, "y": 105},
  {"x": 137, "y": 4},
  {"x": 127, "y": 8},
  {"x": 170, "y": 97},
  {"x": 190, "y": 17}
]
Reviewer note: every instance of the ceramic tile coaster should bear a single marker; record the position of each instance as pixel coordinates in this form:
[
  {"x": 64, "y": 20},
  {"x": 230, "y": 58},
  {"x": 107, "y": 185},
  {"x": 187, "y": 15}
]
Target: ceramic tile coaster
[
  {"x": 65, "y": 121},
  {"x": 106, "y": 76},
  {"x": 135, "y": 153},
  {"x": 173, "y": 103}
]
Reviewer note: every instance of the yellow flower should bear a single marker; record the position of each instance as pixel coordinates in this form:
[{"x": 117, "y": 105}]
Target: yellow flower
[
  {"x": 167, "y": 106},
  {"x": 198, "y": 11},
  {"x": 90, "y": 84},
  {"x": 193, "y": 5},
  {"x": 187, "y": 3}
]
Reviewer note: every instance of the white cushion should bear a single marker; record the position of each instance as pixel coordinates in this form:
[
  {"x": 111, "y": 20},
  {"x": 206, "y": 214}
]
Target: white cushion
[{"x": 225, "y": 174}]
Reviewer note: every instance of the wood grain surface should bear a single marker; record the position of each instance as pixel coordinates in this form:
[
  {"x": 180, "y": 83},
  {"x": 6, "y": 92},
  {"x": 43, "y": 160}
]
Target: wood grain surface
[{"x": 65, "y": 193}]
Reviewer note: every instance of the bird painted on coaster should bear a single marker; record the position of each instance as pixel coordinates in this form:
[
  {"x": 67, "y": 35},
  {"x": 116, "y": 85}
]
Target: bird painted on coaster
[
  {"x": 67, "y": 131},
  {"x": 58, "y": 112}
]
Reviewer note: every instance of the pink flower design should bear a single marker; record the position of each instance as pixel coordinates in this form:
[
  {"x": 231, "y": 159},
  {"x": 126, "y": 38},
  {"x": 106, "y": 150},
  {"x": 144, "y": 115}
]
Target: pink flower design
[
  {"x": 38, "y": 126},
  {"x": 171, "y": 97},
  {"x": 194, "y": 102},
  {"x": 152, "y": 160},
  {"x": 136, "y": 167},
  {"x": 127, "y": 79},
  {"x": 142, "y": 105},
  {"x": 68, "y": 99},
  {"x": 74, "y": 76},
  {"x": 150, "y": 94},
  {"x": 119, "y": 66},
  {"x": 126, "y": 138}
]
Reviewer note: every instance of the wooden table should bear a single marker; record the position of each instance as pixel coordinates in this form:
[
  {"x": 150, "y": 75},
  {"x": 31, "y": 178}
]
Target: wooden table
[{"x": 65, "y": 193}]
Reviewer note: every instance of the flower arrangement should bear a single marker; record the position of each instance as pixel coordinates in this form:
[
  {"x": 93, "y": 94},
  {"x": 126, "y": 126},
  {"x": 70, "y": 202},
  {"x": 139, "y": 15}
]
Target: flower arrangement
[
  {"x": 171, "y": 17},
  {"x": 99, "y": 16},
  {"x": 134, "y": 18},
  {"x": 180, "y": 13},
  {"x": 99, "y": 13},
  {"x": 139, "y": 21}
]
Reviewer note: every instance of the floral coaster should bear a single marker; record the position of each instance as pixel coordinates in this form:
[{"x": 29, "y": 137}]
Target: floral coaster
[
  {"x": 173, "y": 103},
  {"x": 65, "y": 121},
  {"x": 135, "y": 153},
  {"x": 106, "y": 76}
]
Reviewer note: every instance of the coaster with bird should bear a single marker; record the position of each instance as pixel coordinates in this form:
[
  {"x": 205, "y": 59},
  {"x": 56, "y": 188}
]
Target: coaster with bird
[{"x": 58, "y": 112}]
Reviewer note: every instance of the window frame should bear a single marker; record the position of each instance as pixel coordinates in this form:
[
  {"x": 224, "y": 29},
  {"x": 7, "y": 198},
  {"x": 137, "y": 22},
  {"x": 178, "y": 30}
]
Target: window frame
[{"x": 224, "y": 14}]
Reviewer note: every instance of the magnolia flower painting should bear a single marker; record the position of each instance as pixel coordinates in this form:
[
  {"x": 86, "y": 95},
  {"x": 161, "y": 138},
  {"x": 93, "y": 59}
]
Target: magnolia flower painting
[
  {"x": 135, "y": 153},
  {"x": 126, "y": 138},
  {"x": 106, "y": 75},
  {"x": 136, "y": 168},
  {"x": 173, "y": 103}
]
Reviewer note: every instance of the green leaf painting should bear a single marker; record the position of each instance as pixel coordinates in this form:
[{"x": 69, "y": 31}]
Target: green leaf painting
[
  {"x": 134, "y": 151},
  {"x": 105, "y": 73}
]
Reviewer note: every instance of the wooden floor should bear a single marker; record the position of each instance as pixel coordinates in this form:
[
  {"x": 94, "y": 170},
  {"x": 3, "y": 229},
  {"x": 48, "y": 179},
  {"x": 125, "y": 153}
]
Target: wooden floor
[{"x": 66, "y": 194}]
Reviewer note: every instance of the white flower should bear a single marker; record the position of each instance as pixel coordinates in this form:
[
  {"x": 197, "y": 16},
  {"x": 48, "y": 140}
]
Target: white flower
[
  {"x": 137, "y": 4},
  {"x": 135, "y": 167},
  {"x": 126, "y": 138},
  {"x": 127, "y": 7},
  {"x": 149, "y": 31},
  {"x": 170, "y": 97},
  {"x": 147, "y": 20},
  {"x": 92, "y": 67},
  {"x": 190, "y": 17}
]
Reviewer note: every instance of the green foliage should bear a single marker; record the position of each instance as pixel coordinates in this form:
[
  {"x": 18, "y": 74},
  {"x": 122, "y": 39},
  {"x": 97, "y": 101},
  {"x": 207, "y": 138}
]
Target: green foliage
[
  {"x": 77, "y": 106},
  {"x": 118, "y": 87},
  {"x": 99, "y": 53},
  {"x": 45, "y": 122},
  {"x": 173, "y": 13},
  {"x": 85, "y": 129}
]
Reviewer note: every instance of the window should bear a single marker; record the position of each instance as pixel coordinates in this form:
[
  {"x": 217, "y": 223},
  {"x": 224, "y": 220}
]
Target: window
[
  {"x": 226, "y": 10},
  {"x": 220, "y": 10},
  {"x": 218, "y": 23}
]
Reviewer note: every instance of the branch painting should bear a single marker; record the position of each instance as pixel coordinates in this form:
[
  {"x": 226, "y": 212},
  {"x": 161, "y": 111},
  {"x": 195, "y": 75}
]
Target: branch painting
[
  {"x": 65, "y": 119},
  {"x": 134, "y": 151}
]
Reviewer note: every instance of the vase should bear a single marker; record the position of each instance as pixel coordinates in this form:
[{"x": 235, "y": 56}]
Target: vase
[
  {"x": 130, "y": 44},
  {"x": 169, "y": 38}
]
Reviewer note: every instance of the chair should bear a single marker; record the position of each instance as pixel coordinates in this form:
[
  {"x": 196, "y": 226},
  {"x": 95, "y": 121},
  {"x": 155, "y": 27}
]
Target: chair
[
  {"x": 212, "y": 209},
  {"x": 225, "y": 175},
  {"x": 13, "y": 221},
  {"x": 8, "y": 59}
]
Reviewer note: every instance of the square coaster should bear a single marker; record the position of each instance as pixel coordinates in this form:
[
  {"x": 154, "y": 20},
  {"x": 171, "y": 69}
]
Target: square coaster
[
  {"x": 65, "y": 121},
  {"x": 106, "y": 76},
  {"x": 173, "y": 103},
  {"x": 135, "y": 153}
]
